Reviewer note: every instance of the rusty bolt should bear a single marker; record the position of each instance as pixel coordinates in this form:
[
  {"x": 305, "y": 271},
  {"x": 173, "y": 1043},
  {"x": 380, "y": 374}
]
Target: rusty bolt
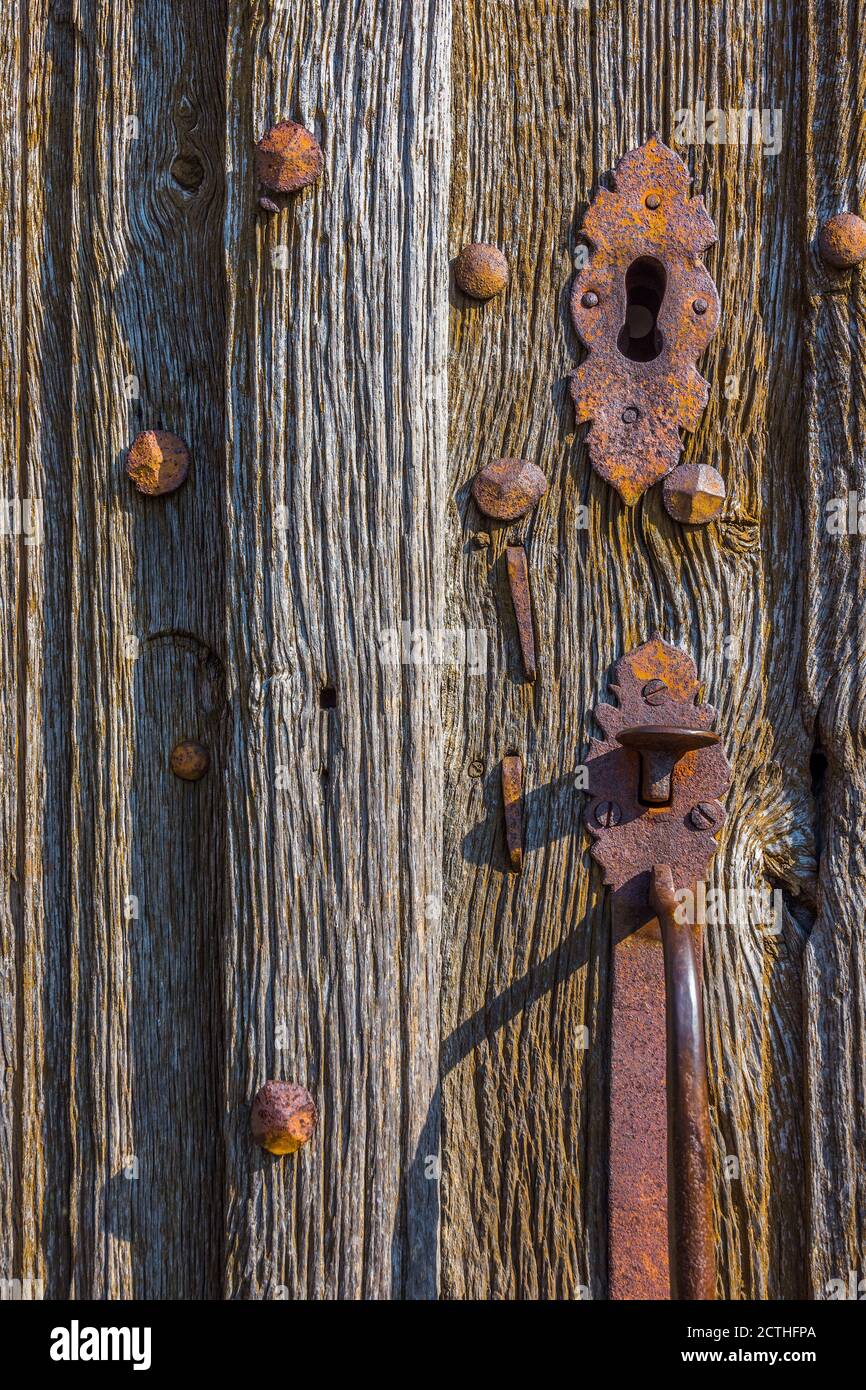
[
  {"x": 589, "y": 300},
  {"x": 702, "y": 816},
  {"x": 700, "y": 306},
  {"x": 655, "y": 692},
  {"x": 630, "y": 415},
  {"x": 157, "y": 462},
  {"x": 508, "y": 488},
  {"x": 283, "y": 1117},
  {"x": 268, "y": 205},
  {"x": 653, "y": 201},
  {"x": 842, "y": 240},
  {"x": 607, "y": 813},
  {"x": 694, "y": 493},
  {"x": 288, "y": 158},
  {"x": 481, "y": 271},
  {"x": 189, "y": 760}
]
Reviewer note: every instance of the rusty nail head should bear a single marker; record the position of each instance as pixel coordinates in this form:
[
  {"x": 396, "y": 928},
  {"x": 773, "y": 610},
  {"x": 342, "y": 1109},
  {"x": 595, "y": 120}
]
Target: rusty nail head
[
  {"x": 189, "y": 760},
  {"x": 508, "y": 488},
  {"x": 842, "y": 240},
  {"x": 288, "y": 158},
  {"x": 589, "y": 300},
  {"x": 157, "y": 462},
  {"x": 653, "y": 201},
  {"x": 694, "y": 493},
  {"x": 512, "y": 800},
  {"x": 655, "y": 692},
  {"x": 700, "y": 306},
  {"x": 283, "y": 1117},
  {"x": 607, "y": 813},
  {"x": 702, "y": 816},
  {"x": 630, "y": 415},
  {"x": 268, "y": 205},
  {"x": 481, "y": 270}
]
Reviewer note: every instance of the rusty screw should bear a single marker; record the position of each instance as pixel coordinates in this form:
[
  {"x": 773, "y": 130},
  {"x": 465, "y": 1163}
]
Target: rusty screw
[
  {"x": 653, "y": 201},
  {"x": 189, "y": 760},
  {"x": 694, "y": 493},
  {"x": 589, "y": 300},
  {"x": 842, "y": 240},
  {"x": 655, "y": 692},
  {"x": 268, "y": 205},
  {"x": 288, "y": 158},
  {"x": 607, "y": 813},
  {"x": 700, "y": 306},
  {"x": 283, "y": 1117},
  {"x": 157, "y": 462},
  {"x": 702, "y": 816},
  {"x": 481, "y": 270},
  {"x": 508, "y": 488},
  {"x": 629, "y": 415}
]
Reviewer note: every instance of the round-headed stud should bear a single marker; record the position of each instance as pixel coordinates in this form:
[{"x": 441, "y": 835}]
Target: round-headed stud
[
  {"x": 589, "y": 300},
  {"x": 288, "y": 158},
  {"x": 700, "y": 306},
  {"x": 508, "y": 488},
  {"x": 189, "y": 760},
  {"x": 481, "y": 271},
  {"x": 842, "y": 240},
  {"x": 694, "y": 493},
  {"x": 283, "y": 1117},
  {"x": 652, "y": 201},
  {"x": 630, "y": 415},
  {"x": 157, "y": 462}
]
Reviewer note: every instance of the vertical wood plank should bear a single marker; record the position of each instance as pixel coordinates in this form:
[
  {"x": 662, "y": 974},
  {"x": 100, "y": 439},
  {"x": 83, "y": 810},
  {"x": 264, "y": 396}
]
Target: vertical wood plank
[
  {"x": 337, "y": 322},
  {"x": 834, "y": 653}
]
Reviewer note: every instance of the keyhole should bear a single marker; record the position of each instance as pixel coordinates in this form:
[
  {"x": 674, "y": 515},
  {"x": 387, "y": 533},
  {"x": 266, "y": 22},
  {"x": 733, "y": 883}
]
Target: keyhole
[{"x": 645, "y": 283}]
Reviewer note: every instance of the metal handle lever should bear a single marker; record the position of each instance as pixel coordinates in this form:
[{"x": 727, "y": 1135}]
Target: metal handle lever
[{"x": 690, "y": 1227}]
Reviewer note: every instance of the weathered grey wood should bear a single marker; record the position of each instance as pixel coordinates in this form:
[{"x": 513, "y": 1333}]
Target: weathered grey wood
[
  {"x": 834, "y": 659},
  {"x": 336, "y": 494},
  {"x": 546, "y": 98},
  {"x": 331, "y": 904}
]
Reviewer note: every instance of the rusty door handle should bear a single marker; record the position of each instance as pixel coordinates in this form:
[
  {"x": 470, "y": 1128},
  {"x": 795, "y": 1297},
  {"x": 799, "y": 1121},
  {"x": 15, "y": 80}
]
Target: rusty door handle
[
  {"x": 654, "y": 782},
  {"x": 690, "y": 1202}
]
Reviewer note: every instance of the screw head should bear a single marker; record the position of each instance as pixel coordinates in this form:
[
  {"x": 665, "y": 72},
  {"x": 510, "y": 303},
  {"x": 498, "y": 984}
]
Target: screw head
[
  {"x": 652, "y": 201},
  {"x": 157, "y": 462},
  {"x": 283, "y": 1117},
  {"x": 589, "y": 300},
  {"x": 842, "y": 240},
  {"x": 189, "y": 760},
  {"x": 702, "y": 816},
  {"x": 655, "y": 692},
  {"x": 508, "y": 488},
  {"x": 630, "y": 415},
  {"x": 288, "y": 158},
  {"x": 694, "y": 493},
  {"x": 700, "y": 306},
  {"x": 607, "y": 813},
  {"x": 481, "y": 270}
]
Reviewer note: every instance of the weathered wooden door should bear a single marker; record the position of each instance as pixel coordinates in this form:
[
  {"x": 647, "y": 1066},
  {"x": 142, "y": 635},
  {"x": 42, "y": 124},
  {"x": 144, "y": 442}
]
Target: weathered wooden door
[{"x": 331, "y": 903}]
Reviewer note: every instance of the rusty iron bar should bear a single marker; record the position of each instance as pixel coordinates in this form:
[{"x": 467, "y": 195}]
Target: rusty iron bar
[
  {"x": 518, "y": 584},
  {"x": 689, "y": 1169},
  {"x": 512, "y": 800}
]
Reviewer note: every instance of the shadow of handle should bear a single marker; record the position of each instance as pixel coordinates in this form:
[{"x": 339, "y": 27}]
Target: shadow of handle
[{"x": 690, "y": 1226}]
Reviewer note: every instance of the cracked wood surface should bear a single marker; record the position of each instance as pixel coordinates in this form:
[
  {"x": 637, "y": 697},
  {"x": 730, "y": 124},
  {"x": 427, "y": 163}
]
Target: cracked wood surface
[{"x": 332, "y": 903}]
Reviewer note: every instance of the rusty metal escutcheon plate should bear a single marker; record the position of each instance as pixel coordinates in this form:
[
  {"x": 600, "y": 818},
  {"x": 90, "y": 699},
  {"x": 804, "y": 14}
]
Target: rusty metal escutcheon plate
[{"x": 647, "y": 237}]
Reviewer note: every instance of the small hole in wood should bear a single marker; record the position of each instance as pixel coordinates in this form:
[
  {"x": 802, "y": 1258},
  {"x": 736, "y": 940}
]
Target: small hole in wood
[{"x": 328, "y": 697}]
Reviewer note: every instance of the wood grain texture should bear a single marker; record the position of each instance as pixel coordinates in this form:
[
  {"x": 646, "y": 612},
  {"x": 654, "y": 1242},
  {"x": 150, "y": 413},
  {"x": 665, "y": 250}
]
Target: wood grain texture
[
  {"x": 834, "y": 654},
  {"x": 335, "y": 484},
  {"x": 332, "y": 905},
  {"x": 546, "y": 97}
]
